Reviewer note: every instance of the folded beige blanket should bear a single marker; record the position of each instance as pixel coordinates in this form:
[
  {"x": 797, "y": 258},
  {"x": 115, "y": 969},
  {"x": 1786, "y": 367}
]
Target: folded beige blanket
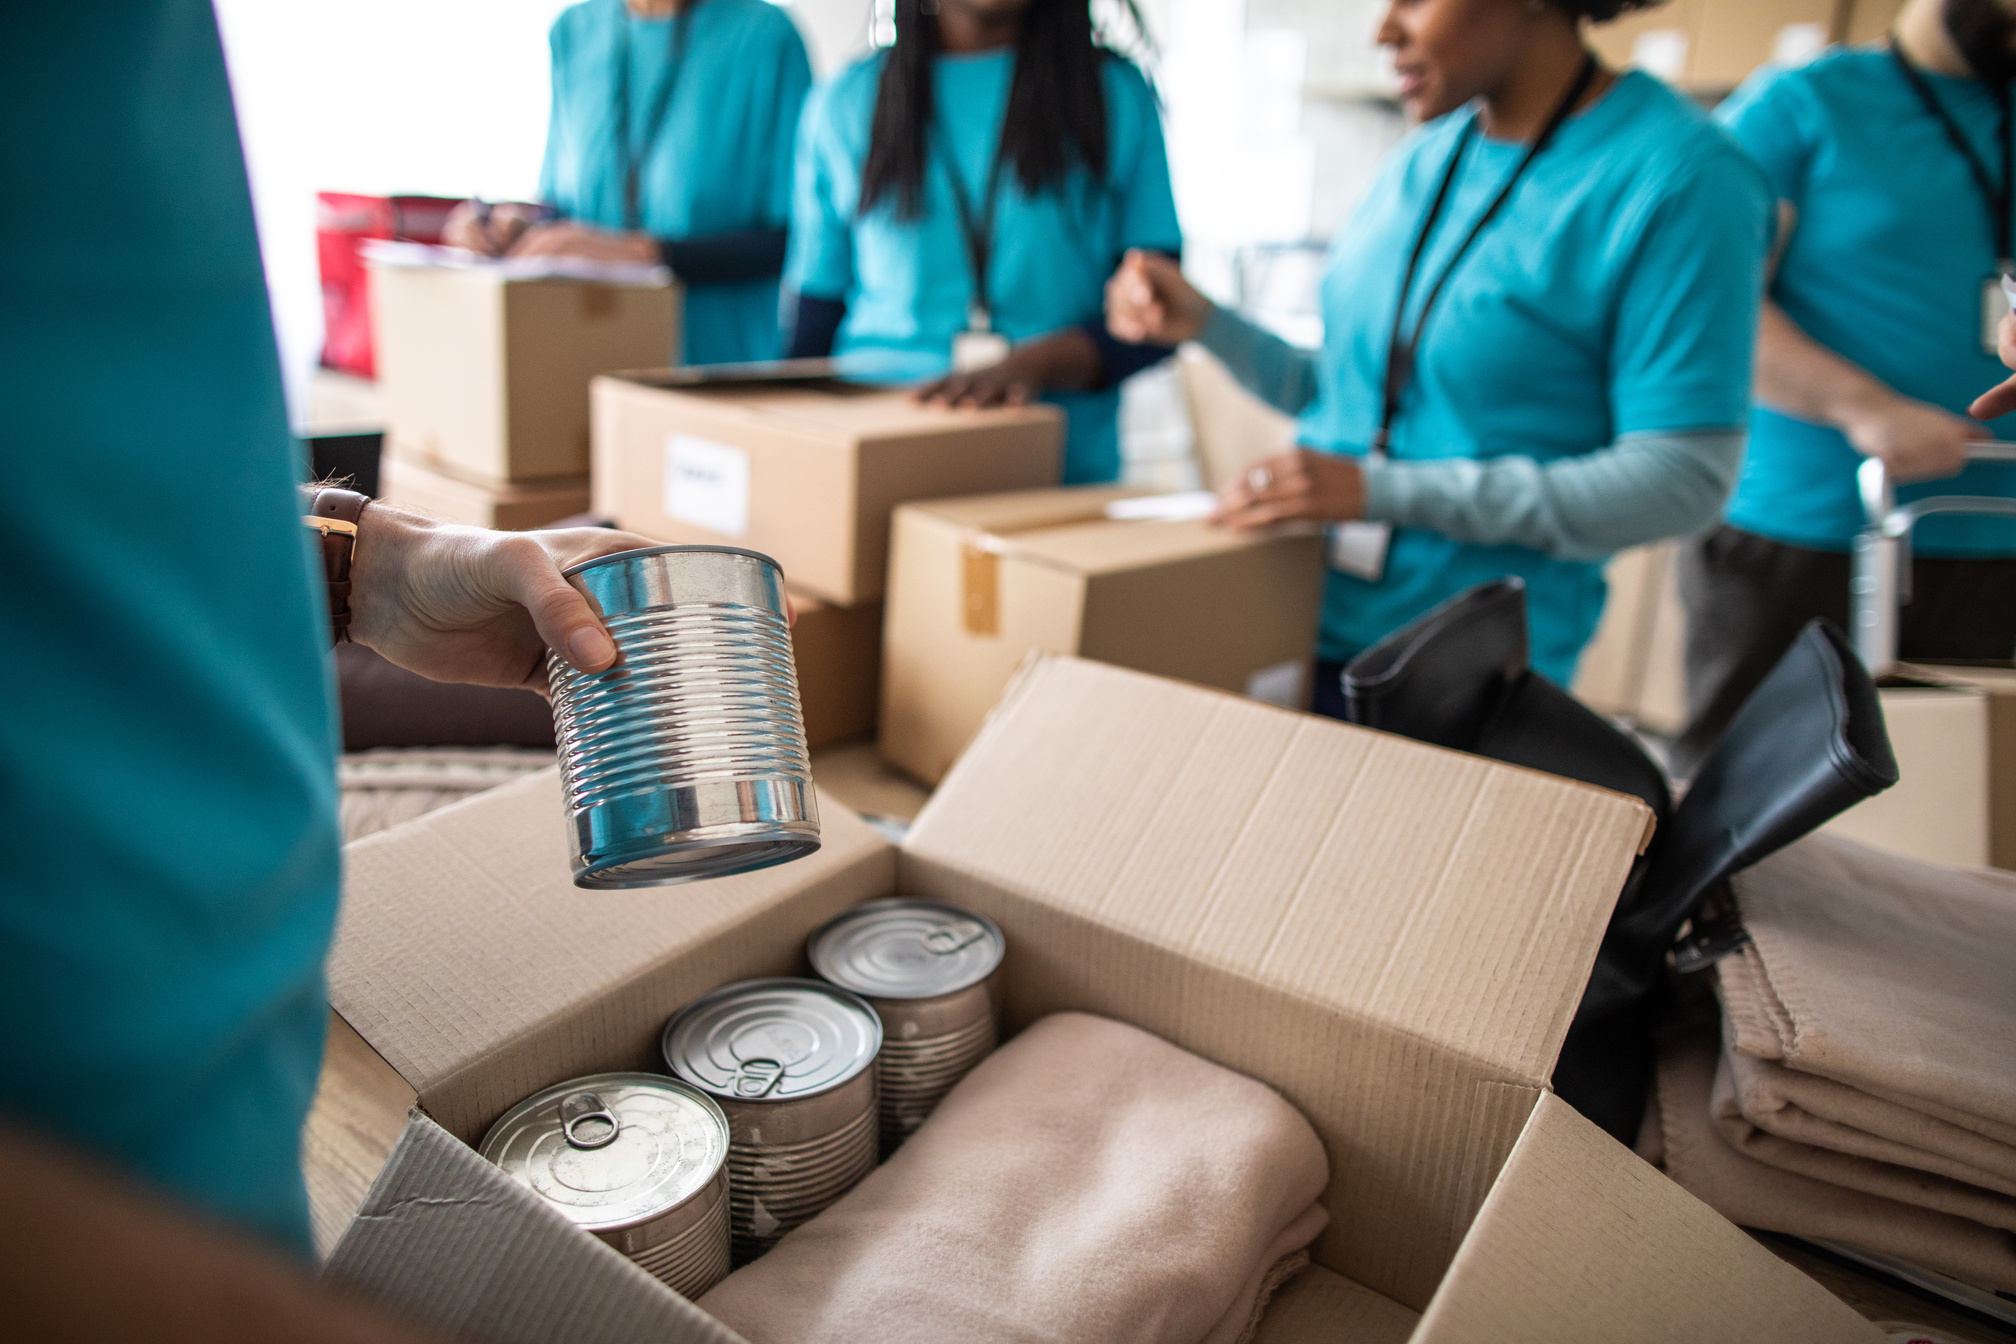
[
  {"x": 1755, "y": 1194},
  {"x": 1818, "y": 1112},
  {"x": 1906, "y": 1184},
  {"x": 1892, "y": 977},
  {"x": 1088, "y": 1181}
]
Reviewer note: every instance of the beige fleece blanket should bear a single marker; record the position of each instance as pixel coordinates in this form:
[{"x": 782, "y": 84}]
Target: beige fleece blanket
[
  {"x": 1910, "y": 1185},
  {"x": 1088, "y": 1181},
  {"x": 1893, "y": 978},
  {"x": 1755, "y": 1194}
]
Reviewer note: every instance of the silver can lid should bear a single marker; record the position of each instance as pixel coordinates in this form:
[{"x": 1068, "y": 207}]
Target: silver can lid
[
  {"x": 614, "y": 1149},
  {"x": 772, "y": 1040},
  {"x": 906, "y": 949}
]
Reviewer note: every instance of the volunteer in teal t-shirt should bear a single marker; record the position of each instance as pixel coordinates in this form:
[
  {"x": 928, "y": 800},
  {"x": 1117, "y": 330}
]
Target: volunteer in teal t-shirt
[
  {"x": 1000, "y": 129},
  {"x": 1583, "y": 373},
  {"x": 1891, "y": 164},
  {"x": 670, "y": 139},
  {"x": 167, "y": 736}
]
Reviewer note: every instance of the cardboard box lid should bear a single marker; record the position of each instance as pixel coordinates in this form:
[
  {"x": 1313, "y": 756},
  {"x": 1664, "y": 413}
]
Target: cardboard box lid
[
  {"x": 1450, "y": 898},
  {"x": 1582, "y": 1240},
  {"x": 1067, "y": 529},
  {"x": 447, "y": 1241},
  {"x": 507, "y": 964},
  {"x": 836, "y": 409}
]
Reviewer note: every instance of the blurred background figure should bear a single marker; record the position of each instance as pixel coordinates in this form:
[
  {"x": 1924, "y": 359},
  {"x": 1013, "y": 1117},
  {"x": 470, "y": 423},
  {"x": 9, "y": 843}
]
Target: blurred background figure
[
  {"x": 963, "y": 197},
  {"x": 1536, "y": 334},
  {"x": 1892, "y": 164},
  {"x": 670, "y": 139}
]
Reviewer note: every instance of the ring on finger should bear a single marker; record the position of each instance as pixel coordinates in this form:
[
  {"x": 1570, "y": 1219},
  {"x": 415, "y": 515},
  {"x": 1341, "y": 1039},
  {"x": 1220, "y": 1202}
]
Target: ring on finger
[{"x": 1259, "y": 478}]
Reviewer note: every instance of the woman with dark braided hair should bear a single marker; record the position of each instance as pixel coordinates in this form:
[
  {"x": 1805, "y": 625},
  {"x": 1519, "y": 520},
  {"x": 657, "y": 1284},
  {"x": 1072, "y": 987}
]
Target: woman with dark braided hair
[
  {"x": 1537, "y": 333},
  {"x": 962, "y": 198}
]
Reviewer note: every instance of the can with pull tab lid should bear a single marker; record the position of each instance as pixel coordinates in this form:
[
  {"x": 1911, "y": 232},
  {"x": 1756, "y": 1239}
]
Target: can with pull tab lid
[
  {"x": 686, "y": 760},
  {"x": 637, "y": 1159},
  {"x": 929, "y": 971},
  {"x": 792, "y": 1063}
]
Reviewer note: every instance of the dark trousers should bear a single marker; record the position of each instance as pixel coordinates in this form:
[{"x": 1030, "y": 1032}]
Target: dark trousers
[{"x": 1748, "y": 597}]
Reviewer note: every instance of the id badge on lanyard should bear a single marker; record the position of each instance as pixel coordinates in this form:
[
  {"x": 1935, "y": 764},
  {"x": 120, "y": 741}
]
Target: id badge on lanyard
[
  {"x": 979, "y": 346},
  {"x": 1359, "y": 548},
  {"x": 1998, "y": 294}
]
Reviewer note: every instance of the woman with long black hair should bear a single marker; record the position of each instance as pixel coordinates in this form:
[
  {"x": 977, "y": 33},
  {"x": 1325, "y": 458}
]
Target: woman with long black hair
[{"x": 962, "y": 198}]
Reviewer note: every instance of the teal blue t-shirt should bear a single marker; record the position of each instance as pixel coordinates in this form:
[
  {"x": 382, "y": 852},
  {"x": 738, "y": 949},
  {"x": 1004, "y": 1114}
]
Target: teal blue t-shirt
[
  {"x": 907, "y": 283},
  {"x": 722, "y": 160},
  {"x": 1884, "y": 267},
  {"x": 1616, "y": 293},
  {"x": 167, "y": 736}
]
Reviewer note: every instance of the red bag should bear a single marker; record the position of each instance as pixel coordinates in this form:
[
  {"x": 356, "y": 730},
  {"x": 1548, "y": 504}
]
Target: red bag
[{"x": 343, "y": 222}]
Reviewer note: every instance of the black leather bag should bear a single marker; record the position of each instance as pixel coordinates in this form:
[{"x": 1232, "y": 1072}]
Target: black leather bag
[{"x": 1808, "y": 744}]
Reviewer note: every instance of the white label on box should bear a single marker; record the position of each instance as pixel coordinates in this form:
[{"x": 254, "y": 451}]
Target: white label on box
[
  {"x": 707, "y": 484},
  {"x": 1280, "y": 684}
]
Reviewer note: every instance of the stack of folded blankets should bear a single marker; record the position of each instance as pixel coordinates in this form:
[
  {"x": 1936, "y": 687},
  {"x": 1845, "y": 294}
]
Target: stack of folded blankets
[
  {"x": 1863, "y": 1089},
  {"x": 1088, "y": 1181}
]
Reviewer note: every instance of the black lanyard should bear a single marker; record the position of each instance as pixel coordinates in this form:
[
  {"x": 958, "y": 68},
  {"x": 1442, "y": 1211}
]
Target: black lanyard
[
  {"x": 2000, "y": 197},
  {"x": 1400, "y": 349},
  {"x": 632, "y": 161},
  {"x": 978, "y": 226}
]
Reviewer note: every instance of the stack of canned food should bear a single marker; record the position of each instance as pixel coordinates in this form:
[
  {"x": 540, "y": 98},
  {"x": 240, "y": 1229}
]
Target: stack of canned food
[{"x": 782, "y": 1092}]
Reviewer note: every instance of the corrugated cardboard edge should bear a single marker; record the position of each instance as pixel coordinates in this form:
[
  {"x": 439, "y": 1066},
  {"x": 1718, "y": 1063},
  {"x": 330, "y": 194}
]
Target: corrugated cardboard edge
[
  {"x": 448, "y": 1241},
  {"x": 1582, "y": 1241}
]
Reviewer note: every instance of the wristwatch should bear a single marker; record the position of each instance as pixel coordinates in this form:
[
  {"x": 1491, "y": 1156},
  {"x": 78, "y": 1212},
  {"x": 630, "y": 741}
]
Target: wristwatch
[{"x": 335, "y": 513}]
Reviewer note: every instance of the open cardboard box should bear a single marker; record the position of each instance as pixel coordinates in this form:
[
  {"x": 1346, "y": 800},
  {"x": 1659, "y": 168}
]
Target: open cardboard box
[{"x": 1392, "y": 935}]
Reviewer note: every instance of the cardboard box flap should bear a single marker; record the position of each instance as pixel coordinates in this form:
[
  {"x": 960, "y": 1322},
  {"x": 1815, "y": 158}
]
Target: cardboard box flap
[
  {"x": 1582, "y": 1242},
  {"x": 1455, "y": 900},
  {"x": 1019, "y": 511},
  {"x": 1069, "y": 529},
  {"x": 447, "y": 1241},
  {"x": 836, "y": 409},
  {"x": 468, "y": 958}
]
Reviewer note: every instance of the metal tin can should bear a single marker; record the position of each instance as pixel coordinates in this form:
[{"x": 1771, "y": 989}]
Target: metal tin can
[
  {"x": 792, "y": 1063},
  {"x": 687, "y": 759},
  {"x": 637, "y": 1159},
  {"x": 928, "y": 970}
]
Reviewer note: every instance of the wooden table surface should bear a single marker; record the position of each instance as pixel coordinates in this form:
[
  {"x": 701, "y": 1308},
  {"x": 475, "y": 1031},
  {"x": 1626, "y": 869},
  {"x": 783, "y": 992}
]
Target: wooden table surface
[{"x": 361, "y": 1105}]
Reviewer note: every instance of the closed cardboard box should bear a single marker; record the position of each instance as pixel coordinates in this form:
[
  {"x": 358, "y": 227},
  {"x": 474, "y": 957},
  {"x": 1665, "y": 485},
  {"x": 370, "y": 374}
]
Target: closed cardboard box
[
  {"x": 508, "y": 507},
  {"x": 805, "y": 474},
  {"x": 1954, "y": 732},
  {"x": 486, "y": 377},
  {"x": 977, "y": 584},
  {"x": 1713, "y": 45},
  {"x": 839, "y": 655},
  {"x": 1392, "y": 936}
]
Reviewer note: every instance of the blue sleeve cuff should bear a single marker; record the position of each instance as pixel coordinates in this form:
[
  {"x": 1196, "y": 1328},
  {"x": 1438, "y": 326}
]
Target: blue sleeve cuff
[{"x": 814, "y": 326}]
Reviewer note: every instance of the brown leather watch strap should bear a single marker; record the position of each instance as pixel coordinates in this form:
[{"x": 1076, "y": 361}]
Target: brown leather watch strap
[{"x": 335, "y": 514}]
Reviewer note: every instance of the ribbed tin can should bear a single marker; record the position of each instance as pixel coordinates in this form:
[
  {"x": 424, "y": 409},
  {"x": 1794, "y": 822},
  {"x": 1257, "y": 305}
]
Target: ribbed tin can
[
  {"x": 792, "y": 1063},
  {"x": 928, "y": 970},
  {"x": 687, "y": 759},
  {"x": 637, "y": 1159}
]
